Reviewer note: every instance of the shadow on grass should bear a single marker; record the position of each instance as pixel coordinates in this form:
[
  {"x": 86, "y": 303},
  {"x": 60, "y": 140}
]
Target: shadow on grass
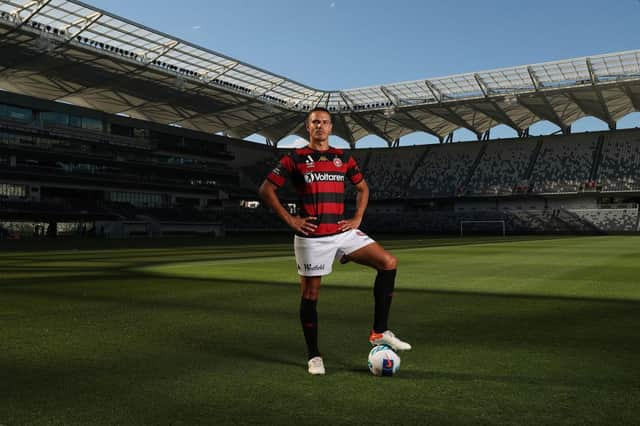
[
  {"x": 114, "y": 274},
  {"x": 462, "y": 377}
]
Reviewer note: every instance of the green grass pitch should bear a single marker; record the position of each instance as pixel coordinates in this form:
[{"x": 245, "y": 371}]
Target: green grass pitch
[{"x": 504, "y": 331}]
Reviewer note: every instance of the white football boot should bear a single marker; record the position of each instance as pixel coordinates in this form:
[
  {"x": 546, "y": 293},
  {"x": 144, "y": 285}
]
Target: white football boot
[
  {"x": 316, "y": 366},
  {"x": 388, "y": 338}
]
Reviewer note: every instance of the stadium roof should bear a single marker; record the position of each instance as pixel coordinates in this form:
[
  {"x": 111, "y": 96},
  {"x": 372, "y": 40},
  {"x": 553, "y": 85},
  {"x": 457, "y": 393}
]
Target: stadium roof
[{"x": 69, "y": 51}]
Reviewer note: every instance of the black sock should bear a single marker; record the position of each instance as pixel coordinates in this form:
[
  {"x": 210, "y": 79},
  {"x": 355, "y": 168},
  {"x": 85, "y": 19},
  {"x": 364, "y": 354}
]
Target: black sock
[
  {"x": 382, "y": 295},
  {"x": 309, "y": 322}
]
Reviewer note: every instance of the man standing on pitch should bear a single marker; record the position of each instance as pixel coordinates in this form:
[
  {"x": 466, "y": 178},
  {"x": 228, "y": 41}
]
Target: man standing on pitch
[{"x": 318, "y": 173}]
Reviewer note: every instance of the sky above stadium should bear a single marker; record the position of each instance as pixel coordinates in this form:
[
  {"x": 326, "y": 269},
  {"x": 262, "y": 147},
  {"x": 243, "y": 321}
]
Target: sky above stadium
[{"x": 344, "y": 44}]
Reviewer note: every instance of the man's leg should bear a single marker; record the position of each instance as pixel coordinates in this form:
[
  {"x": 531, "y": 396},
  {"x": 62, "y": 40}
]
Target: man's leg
[
  {"x": 375, "y": 256},
  {"x": 310, "y": 289}
]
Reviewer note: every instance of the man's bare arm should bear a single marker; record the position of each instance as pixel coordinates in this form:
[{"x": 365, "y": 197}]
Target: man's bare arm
[
  {"x": 268, "y": 195},
  {"x": 362, "y": 200}
]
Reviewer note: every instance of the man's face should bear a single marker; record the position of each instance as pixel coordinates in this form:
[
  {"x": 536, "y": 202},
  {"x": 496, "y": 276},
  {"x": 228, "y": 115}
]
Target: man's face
[{"x": 319, "y": 126}]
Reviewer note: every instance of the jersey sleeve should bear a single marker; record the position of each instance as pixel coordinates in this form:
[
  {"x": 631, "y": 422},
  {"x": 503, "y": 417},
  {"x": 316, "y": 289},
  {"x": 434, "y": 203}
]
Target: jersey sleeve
[
  {"x": 278, "y": 176},
  {"x": 353, "y": 171}
]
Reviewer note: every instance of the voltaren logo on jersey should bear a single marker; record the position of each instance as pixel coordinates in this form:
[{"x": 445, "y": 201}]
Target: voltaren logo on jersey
[{"x": 323, "y": 177}]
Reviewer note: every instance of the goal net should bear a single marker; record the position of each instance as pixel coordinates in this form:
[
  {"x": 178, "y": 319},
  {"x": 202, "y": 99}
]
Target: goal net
[{"x": 482, "y": 227}]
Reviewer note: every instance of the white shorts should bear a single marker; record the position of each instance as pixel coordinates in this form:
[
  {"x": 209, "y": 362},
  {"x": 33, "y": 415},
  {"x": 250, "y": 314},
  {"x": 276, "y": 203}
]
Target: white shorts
[{"x": 315, "y": 256}]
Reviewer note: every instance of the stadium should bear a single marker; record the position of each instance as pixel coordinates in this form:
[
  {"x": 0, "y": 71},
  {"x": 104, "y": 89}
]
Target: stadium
[{"x": 137, "y": 256}]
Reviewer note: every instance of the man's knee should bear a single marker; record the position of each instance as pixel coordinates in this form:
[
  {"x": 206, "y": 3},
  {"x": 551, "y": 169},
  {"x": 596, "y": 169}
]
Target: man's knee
[
  {"x": 310, "y": 288},
  {"x": 310, "y": 293},
  {"x": 389, "y": 262}
]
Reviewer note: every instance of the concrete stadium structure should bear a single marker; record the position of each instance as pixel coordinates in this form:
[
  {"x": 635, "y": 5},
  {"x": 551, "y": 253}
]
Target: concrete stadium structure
[{"x": 116, "y": 129}]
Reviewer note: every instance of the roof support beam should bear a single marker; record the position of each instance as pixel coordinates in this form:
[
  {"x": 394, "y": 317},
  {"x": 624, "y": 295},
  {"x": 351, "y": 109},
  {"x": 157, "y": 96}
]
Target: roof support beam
[
  {"x": 586, "y": 109},
  {"x": 227, "y": 109},
  {"x": 270, "y": 88},
  {"x": 349, "y": 135},
  {"x": 65, "y": 33},
  {"x": 15, "y": 15},
  {"x": 81, "y": 25},
  {"x": 159, "y": 52},
  {"x": 392, "y": 98},
  {"x": 397, "y": 118},
  {"x": 139, "y": 70},
  {"x": 299, "y": 105},
  {"x": 453, "y": 116},
  {"x": 326, "y": 102},
  {"x": 603, "y": 104},
  {"x": 542, "y": 114},
  {"x": 413, "y": 123},
  {"x": 148, "y": 60},
  {"x": 284, "y": 115},
  {"x": 209, "y": 76},
  {"x": 371, "y": 127},
  {"x": 349, "y": 103},
  {"x": 67, "y": 64},
  {"x": 288, "y": 131},
  {"x": 554, "y": 117},
  {"x": 456, "y": 119},
  {"x": 434, "y": 91},
  {"x": 632, "y": 98},
  {"x": 499, "y": 114},
  {"x": 224, "y": 107},
  {"x": 347, "y": 100},
  {"x": 207, "y": 80}
]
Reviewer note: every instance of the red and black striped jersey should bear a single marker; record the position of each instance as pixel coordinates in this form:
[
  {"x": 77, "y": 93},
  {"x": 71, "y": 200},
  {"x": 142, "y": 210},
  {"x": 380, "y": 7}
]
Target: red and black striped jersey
[{"x": 318, "y": 177}]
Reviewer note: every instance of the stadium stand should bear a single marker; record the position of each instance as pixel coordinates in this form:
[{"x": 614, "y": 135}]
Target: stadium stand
[
  {"x": 153, "y": 154},
  {"x": 130, "y": 179},
  {"x": 564, "y": 164},
  {"x": 620, "y": 166},
  {"x": 55, "y": 163},
  {"x": 252, "y": 161},
  {"x": 501, "y": 168},
  {"x": 388, "y": 171},
  {"x": 362, "y": 159},
  {"x": 615, "y": 220},
  {"x": 444, "y": 170}
]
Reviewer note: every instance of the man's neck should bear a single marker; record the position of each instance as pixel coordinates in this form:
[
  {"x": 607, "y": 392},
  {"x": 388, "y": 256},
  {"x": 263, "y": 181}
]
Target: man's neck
[{"x": 319, "y": 145}]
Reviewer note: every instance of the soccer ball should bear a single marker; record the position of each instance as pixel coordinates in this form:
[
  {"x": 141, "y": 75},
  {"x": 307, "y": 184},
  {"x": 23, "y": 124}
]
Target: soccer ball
[{"x": 383, "y": 361}]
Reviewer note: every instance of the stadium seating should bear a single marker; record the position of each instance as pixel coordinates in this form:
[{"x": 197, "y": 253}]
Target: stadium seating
[
  {"x": 564, "y": 163},
  {"x": 620, "y": 165},
  {"x": 501, "y": 168},
  {"x": 444, "y": 170},
  {"x": 362, "y": 160},
  {"x": 388, "y": 171},
  {"x": 611, "y": 220},
  {"x": 164, "y": 181}
]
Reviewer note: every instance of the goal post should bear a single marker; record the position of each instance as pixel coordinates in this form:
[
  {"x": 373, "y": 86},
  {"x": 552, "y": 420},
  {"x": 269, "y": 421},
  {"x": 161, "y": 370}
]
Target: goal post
[{"x": 485, "y": 226}]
